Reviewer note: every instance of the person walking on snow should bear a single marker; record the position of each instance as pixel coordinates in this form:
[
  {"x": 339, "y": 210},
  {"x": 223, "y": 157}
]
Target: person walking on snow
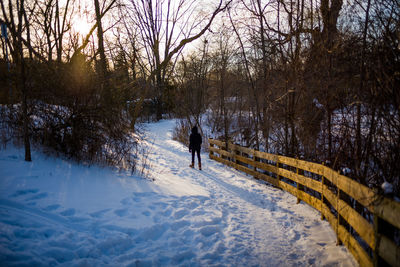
[{"x": 195, "y": 145}]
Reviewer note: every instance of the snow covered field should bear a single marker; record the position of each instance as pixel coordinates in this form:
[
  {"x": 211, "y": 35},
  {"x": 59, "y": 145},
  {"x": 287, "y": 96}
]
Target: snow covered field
[{"x": 54, "y": 212}]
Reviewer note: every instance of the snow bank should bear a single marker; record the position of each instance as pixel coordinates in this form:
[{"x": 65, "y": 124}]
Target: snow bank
[{"x": 54, "y": 212}]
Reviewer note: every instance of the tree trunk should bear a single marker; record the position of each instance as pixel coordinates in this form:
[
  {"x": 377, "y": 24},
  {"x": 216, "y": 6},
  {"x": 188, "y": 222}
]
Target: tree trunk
[
  {"x": 25, "y": 111},
  {"x": 330, "y": 13},
  {"x": 105, "y": 90},
  {"x": 23, "y": 86},
  {"x": 358, "y": 155}
]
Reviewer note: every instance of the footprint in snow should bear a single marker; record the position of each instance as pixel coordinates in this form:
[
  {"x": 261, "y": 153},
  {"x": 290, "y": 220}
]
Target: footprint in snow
[
  {"x": 52, "y": 207},
  {"x": 180, "y": 213},
  {"x": 192, "y": 205},
  {"x": 198, "y": 213},
  {"x": 179, "y": 225},
  {"x": 125, "y": 201},
  {"x": 37, "y": 197},
  {"x": 121, "y": 212},
  {"x": 68, "y": 212},
  {"x": 99, "y": 214},
  {"x": 209, "y": 230},
  {"x": 24, "y": 192},
  {"x": 79, "y": 219},
  {"x": 167, "y": 212},
  {"x": 137, "y": 197},
  {"x": 162, "y": 205},
  {"x": 174, "y": 171},
  {"x": 146, "y": 213},
  {"x": 296, "y": 236},
  {"x": 152, "y": 233}
]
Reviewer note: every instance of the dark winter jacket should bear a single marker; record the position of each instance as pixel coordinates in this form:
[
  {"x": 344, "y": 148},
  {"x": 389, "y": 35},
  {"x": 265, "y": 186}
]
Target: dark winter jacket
[{"x": 195, "y": 139}]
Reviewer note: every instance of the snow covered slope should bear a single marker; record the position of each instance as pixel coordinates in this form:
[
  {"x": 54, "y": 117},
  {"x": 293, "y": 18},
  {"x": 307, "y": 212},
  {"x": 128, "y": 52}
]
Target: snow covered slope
[{"x": 53, "y": 212}]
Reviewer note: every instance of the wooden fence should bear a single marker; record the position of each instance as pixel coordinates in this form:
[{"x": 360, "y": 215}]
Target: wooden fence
[{"x": 366, "y": 223}]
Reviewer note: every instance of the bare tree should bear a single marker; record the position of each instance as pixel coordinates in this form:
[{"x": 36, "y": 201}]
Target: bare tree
[
  {"x": 16, "y": 20},
  {"x": 252, "y": 92},
  {"x": 193, "y": 78},
  {"x": 166, "y": 27}
]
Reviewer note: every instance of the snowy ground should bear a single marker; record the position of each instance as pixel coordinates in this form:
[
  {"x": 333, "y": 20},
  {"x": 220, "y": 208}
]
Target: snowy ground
[{"x": 53, "y": 212}]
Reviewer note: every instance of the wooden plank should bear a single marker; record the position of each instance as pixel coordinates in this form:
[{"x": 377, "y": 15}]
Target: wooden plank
[
  {"x": 310, "y": 183},
  {"x": 269, "y": 179},
  {"x": 388, "y": 250},
  {"x": 258, "y": 175},
  {"x": 243, "y": 149},
  {"x": 267, "y": 156},
  {"x": 246, "y": 170},
  {"x": 310, "y": 200},
  {"x": 330, "y": 197},
  {"x": 298, "y": 178},
  {"x": 375, "y": 252},
  {"x": 300, "y": 164},
  {"x": 329, "y": 216},
  {"x": 287, "y": 187},
  {"x": 389, "y": 210},
  {"x": 224, "y": 161},
  {"x": 359, "y": 192},
  {"x": 232, "y": 147},
  {"x": 225, "y": 153},
  {"x": 244, "y": 160},
  {"x": 364, "y": 229},
  {"x": 216, "y": 142},
  {"x": 354, "y": 247},
  {"x": 236, "y": 166},
  {"x": 211, "y": 141},
  {"x": 221, "y": 152},
  {"x": 214, "y": 149},
  {"x": 257, "y": 164},
  {"x": 265, "y": 166}
]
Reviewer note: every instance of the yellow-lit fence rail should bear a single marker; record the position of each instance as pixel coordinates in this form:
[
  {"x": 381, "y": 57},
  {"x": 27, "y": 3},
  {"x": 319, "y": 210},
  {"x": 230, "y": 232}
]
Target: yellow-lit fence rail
[{"x": 366, "y": 223}]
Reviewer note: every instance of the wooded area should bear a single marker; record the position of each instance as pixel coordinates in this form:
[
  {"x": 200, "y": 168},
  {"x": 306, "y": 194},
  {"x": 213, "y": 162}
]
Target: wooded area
[
  {"x": 313, "y": 79},
  {"x": 365, "y": 222}
]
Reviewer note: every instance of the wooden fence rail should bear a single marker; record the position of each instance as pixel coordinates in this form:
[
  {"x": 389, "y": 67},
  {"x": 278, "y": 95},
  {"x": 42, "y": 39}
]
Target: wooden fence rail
[{"x": 366, "y": 223}]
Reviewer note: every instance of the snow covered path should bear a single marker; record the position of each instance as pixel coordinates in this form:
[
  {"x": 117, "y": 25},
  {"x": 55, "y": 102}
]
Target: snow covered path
[{"x": 53, "y": 212}]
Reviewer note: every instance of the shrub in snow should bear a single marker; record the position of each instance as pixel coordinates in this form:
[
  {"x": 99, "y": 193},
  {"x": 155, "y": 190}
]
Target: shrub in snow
[
  {"x": 74, "y": 113},
  {"x": 346, "y": 171},
  {"x": 387, "y": 188}
]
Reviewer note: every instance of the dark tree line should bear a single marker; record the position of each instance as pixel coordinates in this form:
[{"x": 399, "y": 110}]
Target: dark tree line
[{"x": 312, "y": 79}]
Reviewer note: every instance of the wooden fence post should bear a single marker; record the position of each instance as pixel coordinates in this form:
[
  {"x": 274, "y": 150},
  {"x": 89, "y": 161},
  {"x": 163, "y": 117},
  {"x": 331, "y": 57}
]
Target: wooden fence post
[
  {"x": 377, "y": 238},
  {"x": 254, "y": 159},
  {"x": 297, "y": 186},
  {"x": 277, "y": 170},
  {"x": 338, "y": 242},
  {"x": 224, "y": 148},
  {"x": 234, "y": 153},
  {"x": 322, "y": 194},
  {"x": 210, "y": 152}
]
